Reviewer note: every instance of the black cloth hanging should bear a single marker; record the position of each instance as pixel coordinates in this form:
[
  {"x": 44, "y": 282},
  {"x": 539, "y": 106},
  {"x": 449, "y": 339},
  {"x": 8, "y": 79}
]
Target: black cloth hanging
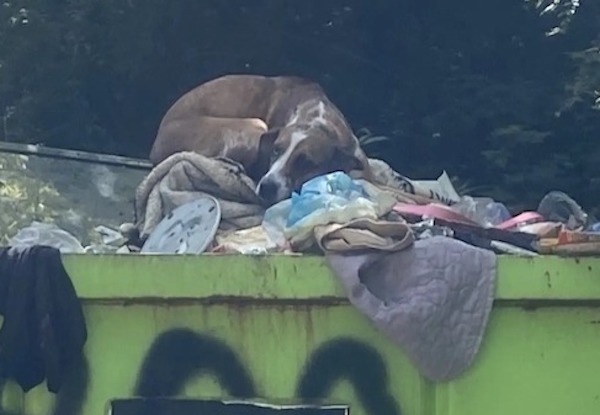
[{"x": 44, "y": 330}]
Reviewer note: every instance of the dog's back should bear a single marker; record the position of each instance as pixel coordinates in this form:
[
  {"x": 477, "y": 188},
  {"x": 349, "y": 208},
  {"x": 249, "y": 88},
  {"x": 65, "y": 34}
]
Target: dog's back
[
  {"x": 226, "y": 116},
  {"x": 243, "y": 96}
]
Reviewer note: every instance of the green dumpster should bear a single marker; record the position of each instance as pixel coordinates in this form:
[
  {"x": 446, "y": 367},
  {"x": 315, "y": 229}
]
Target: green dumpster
[{"x": 278, "y": 329}]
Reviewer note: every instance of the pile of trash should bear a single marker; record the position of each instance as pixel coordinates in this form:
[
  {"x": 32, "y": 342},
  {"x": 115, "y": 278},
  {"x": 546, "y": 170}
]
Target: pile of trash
[
  {"x": 334, "y": 210},
  {"x": 198, "y": 213}
]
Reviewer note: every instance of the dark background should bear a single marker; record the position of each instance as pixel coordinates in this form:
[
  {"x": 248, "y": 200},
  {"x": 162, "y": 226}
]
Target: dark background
[{"x": 473, "y": 87}]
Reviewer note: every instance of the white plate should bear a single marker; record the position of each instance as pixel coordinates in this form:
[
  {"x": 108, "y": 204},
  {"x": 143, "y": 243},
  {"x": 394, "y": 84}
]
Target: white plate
[{"x": 188, "y": 229}]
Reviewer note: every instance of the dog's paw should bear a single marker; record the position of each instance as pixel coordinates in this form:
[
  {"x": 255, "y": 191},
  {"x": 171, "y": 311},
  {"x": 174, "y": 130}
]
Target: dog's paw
[{"x": 232, "y": 165}]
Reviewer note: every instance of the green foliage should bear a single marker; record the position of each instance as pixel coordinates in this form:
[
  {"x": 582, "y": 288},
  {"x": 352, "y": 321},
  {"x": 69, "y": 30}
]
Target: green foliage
[
  {"x": 585, "y": 85},
  {"x": 563, "y": 10},
  {"x": 477, "y": 88}
]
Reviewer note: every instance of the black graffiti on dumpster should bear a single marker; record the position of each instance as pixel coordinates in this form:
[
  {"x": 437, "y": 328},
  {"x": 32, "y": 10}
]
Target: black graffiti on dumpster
[
  {"x": 178, "y": 355},
  {"x": 349, "y": 359}
]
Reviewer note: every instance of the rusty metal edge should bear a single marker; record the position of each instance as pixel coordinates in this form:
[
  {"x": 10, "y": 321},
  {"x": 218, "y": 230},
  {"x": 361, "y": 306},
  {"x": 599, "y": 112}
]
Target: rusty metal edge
[
  {"x": 219, "y": 300},
  {"x": 33, "y": 149},
  {"x": 328, "y": 301},
  {"x": 535, "y": 303}
]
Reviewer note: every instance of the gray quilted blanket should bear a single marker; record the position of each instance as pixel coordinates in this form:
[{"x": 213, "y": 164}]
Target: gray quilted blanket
[{"x": 433, "y": 299}]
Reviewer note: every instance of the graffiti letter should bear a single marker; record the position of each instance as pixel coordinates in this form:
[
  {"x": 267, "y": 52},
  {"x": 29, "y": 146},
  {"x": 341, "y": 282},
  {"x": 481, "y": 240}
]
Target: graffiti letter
[{"x": 347, "y": 358}]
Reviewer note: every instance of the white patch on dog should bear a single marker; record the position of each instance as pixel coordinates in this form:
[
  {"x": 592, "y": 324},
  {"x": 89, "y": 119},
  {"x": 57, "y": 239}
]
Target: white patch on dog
[
  {"x": 242, "y": 132},
  {"x": 294, "y": 119},
  {"x": 258, "y": 123},
  {"x": 320, "y": 118},
  {"x": 274, "y": 174},
  {"x": 314, "y": 115}
]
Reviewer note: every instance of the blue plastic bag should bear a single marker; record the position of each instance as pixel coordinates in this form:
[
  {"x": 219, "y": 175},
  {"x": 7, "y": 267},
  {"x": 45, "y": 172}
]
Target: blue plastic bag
[
  {"x": 331, "y": 198},
  {"x": 331, "y": 190}
]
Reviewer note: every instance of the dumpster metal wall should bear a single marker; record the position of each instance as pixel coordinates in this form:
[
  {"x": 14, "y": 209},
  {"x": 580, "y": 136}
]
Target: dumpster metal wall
[
  {"x": 75, "y": 190},
  {"x": 281, "y": 329}
]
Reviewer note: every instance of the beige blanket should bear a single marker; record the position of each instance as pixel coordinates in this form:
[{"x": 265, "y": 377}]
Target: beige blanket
[
  {"x": 363, "y": 234},
  {"x": 186, "y": 176}
]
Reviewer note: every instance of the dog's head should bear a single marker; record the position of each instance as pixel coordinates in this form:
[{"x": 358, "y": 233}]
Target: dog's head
[{"x": 297, "y": 153}]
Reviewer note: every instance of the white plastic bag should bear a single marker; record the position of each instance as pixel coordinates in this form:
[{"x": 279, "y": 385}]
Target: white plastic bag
[{"x": 48, "y": 234}]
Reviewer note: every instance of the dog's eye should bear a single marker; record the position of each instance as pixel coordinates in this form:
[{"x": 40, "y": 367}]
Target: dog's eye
[
  {"x": 303, "y": 163},
  {"x": 275, "y": 154}
]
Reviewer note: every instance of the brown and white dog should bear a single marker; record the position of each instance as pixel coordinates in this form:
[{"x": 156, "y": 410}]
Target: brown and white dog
[{"x": 282, "y": 130}]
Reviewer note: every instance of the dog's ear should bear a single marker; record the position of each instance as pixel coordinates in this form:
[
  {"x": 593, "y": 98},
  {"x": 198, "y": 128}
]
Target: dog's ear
[
  {"x": 265, "y": 150},
  {"x": 352, "y": 158}
]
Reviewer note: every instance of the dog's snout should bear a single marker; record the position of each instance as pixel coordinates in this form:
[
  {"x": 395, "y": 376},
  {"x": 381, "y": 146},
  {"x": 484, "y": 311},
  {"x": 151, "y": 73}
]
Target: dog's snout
[{"x": 268, "y": 191}]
